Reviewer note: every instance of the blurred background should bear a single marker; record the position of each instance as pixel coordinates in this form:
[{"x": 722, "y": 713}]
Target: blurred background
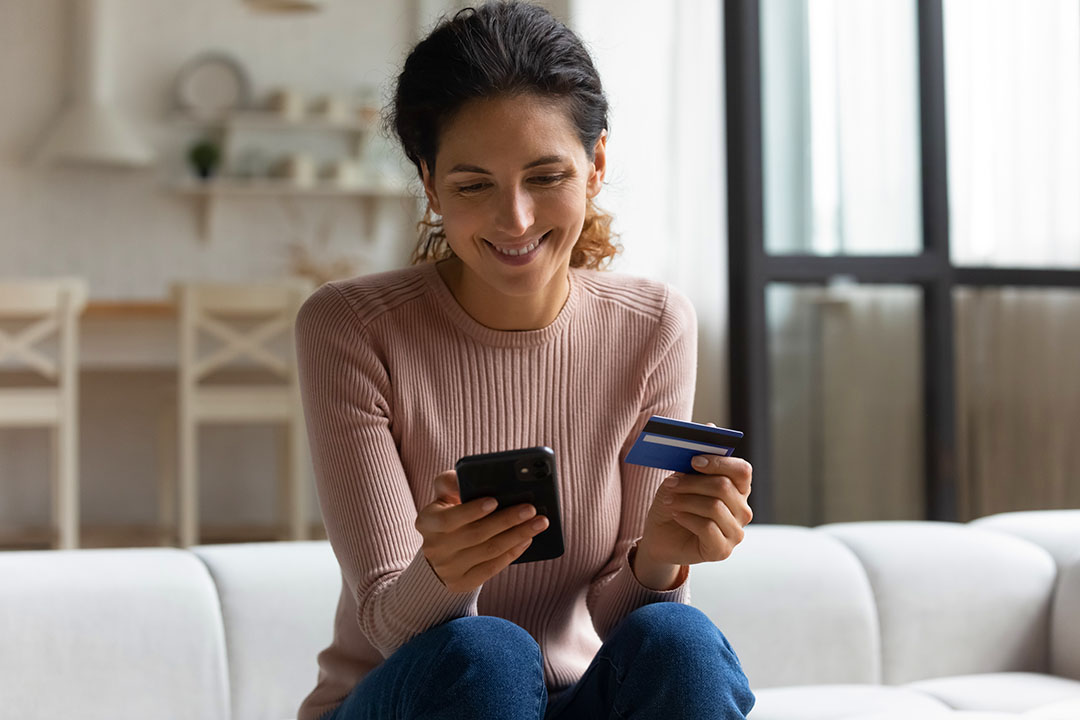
[{"x": 873, "y": 206}]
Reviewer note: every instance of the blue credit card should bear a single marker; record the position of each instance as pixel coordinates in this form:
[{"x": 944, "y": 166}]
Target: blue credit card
[{"x": 671, "y": 444}]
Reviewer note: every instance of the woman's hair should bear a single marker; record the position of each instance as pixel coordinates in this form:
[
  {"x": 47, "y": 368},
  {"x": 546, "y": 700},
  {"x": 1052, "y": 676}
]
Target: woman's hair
[{"x": 499, "y": 49}]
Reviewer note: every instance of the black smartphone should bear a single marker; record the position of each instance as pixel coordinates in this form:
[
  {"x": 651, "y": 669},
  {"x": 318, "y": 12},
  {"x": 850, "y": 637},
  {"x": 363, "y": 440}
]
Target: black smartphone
[{"x": 528, "y": 475}]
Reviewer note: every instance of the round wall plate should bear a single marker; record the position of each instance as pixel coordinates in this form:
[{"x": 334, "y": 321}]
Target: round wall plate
[{"x": 211, "y": 85}]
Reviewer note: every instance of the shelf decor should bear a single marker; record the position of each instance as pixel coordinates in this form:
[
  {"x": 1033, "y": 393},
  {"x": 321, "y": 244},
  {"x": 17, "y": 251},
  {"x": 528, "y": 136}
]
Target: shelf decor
[{"x": 212, "y": 85}]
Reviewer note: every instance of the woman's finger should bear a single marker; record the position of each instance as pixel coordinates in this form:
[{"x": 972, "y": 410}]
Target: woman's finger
[
  {"x": 446, "y": 487},
  {"x": 717, "y": 545},
  {"x": 714, "y": 509}
]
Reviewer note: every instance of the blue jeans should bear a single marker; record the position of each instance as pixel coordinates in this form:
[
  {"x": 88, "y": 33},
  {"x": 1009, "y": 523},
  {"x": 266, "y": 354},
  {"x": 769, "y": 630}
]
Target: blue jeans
[{"x": 664, "y": 660}]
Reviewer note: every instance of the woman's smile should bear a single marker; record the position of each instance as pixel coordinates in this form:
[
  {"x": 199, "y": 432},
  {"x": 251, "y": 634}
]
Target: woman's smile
[{"x": 518, "y": 254}]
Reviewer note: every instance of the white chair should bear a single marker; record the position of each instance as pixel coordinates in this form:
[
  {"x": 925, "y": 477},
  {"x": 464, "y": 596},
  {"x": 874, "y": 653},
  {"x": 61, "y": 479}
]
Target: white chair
[
  {"x": 50, "y": 307},
  {"x": 219, "y": 310}
]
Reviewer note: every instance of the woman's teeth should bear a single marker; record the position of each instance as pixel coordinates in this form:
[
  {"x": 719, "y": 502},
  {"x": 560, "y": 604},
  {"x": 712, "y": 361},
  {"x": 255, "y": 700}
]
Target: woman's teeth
[{"x": 527, "y": 249}]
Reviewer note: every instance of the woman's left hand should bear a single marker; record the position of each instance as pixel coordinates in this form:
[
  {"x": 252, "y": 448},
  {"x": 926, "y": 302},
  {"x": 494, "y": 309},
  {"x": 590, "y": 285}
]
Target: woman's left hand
[{"x": 698, "y": 518}]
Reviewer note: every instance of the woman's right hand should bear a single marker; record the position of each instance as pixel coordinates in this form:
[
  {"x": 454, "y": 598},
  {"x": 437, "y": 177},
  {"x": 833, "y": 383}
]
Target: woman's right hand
[{"x": 466, "y": 544}]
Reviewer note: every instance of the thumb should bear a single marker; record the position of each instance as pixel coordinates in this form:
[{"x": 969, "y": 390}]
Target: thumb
[{"x": 446, "y": 488}]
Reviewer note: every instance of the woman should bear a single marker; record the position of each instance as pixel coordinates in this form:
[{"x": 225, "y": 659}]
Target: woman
[{"x": 504, "y": 334}]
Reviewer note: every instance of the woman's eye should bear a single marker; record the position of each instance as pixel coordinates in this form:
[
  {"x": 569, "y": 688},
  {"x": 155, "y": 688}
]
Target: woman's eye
[{"x": 541, "y": 179}]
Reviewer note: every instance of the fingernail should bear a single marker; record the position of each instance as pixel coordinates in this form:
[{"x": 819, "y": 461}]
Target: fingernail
[
  {"x": 488, "y": 505},
  {"x": 673, "y": 482},
  {"x": 700, "y": 461}
]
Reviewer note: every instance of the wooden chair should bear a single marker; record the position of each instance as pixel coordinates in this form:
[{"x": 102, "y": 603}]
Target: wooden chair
[
  {"x": 217, "y": 309},
  {"x": 50, "y": 307}
]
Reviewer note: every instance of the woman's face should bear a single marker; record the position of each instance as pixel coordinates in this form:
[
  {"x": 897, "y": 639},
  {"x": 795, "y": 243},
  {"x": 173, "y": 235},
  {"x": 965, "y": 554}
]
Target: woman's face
[{"x": 510, "y": 172}]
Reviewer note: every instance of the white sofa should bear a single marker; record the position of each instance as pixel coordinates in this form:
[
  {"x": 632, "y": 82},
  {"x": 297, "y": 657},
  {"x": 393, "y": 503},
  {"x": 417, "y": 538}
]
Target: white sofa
[{"x": 904, "y": 620}]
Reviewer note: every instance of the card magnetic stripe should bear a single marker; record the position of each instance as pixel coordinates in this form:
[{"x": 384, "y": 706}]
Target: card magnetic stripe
[{"x": 710, "y": 437}]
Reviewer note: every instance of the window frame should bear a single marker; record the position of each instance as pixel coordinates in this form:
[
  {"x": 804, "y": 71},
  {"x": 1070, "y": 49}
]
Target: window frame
[{"x": 751, "y": 269}]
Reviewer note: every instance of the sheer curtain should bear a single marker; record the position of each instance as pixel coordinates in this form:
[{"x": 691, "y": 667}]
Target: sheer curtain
[
  {"x": 661, "y": 68},
  {"x": 1013, "y": 95}
]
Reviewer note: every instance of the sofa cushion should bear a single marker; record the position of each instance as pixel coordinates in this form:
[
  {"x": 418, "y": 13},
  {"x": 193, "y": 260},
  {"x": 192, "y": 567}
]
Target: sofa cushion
[
  {"x": 940, "y": 715},
  {"x": 796, "y": 606},
  {"x": 1000, "y": 692},
  {"x": 278, "y": 600},
  {"x": 110, "y": 633},
  {"x": 1064, "y": 710},
  {"x": 827, "y": 702},
  {"x": 954, "y": 599},
  {"x": 1056, "y": 530}
]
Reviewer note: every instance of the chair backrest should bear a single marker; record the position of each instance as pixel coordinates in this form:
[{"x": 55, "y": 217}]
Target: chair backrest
[
  {"x": 217, "y": 309},
  {"x": 52, "y": 307}
]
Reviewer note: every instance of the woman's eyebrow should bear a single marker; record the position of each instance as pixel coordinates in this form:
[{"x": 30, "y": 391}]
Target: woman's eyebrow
[{"x": 546, "y": 160}]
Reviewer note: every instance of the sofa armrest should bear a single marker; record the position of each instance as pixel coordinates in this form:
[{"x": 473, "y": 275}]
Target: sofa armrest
[
  {"x": 119, "y": 633},
  {"x": 1065, "y": 623}
]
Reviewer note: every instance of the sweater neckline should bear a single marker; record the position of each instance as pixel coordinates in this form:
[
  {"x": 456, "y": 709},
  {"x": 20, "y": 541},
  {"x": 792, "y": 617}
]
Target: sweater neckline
[{"x": 449, "y": 306}]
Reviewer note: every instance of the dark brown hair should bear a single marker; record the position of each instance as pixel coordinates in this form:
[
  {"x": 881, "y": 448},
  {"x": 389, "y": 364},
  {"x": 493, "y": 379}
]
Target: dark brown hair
[{"x": 499, "y": 49}]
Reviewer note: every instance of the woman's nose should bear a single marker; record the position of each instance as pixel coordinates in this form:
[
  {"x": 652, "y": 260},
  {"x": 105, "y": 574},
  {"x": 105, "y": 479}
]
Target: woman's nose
[{"x": 514, "y": 211}]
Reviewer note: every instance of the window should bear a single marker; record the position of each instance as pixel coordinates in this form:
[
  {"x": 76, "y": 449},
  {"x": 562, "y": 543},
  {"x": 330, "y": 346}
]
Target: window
[{"x": 902, "y": 176}]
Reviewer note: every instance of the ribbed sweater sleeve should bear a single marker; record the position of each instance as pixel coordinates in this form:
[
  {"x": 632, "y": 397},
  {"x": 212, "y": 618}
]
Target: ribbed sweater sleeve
[
  {"x": 363, "y": 491},
  {"x": 669, "y": 391}
]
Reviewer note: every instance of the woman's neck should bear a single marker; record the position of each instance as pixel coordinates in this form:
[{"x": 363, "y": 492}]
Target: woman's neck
[{"x": 500, "y": 311}]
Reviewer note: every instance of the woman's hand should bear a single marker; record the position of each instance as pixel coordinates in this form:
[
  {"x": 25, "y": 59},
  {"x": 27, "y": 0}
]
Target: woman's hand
[
  {"x": 697, "y": 518},
  {"x": 466, "y": 544}
]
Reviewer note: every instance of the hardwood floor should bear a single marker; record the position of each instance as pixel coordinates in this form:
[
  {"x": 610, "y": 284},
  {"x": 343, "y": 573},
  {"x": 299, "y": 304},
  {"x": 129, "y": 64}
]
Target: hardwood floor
[{"x": 142, "y": 536}]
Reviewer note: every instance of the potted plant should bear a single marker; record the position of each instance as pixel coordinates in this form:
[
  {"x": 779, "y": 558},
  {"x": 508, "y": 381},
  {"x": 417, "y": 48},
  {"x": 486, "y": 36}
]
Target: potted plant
[{"x": 205, "y": 156}]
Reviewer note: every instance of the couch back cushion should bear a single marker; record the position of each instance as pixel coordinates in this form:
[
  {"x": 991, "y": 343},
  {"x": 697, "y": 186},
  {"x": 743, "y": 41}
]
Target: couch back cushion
[
  {"x": 110, "y": 633},
  {"x": 1056, "y": 530},
  {"x": 954, "y": 599},
  {"x": 796, "y": 607},
  {"x": 278, "y": 600}
]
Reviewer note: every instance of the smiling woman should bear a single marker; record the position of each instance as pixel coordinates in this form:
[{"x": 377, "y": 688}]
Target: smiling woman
[{"x": 503, "y": 335}]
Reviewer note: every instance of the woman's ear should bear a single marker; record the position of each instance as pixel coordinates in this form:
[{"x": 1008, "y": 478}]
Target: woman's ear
[
  {"x": 429, "y": 188},
  {"x": 599, "y": 164}
]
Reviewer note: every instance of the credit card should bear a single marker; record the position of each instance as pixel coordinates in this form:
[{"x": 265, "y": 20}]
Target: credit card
[{"x": 671, "y": 444}]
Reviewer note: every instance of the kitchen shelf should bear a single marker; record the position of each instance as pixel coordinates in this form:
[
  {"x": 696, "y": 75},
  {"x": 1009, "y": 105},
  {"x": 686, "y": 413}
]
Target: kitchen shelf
[
  {"x": 267, "y": 120},
  {"x": 205, "y": 191},
  {"x": 357, "y": 131},
  {"x": 269, "y": 186}
]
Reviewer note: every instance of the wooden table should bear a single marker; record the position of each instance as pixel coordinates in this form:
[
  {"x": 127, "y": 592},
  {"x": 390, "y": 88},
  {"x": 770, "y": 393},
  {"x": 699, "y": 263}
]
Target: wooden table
[{"x": 128, "y": 335}]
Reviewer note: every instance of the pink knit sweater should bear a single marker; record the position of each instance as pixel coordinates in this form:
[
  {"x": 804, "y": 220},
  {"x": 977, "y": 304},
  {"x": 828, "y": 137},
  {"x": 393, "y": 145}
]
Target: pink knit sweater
[{"x": 399, "y": 382}]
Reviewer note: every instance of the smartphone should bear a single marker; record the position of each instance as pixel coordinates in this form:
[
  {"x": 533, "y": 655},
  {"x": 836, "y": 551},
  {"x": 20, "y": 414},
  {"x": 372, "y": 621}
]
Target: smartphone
[{"x": 512, "y": 477}]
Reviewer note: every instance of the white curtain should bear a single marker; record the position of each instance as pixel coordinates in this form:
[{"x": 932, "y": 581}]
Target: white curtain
[
  {"x": 661, "y": 68},
  {"x": 1013, "y": 94}
]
